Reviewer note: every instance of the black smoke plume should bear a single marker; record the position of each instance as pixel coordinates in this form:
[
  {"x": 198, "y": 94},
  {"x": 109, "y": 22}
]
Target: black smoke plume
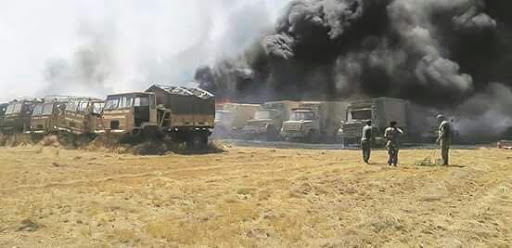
[{"x": 432, "y": 52}]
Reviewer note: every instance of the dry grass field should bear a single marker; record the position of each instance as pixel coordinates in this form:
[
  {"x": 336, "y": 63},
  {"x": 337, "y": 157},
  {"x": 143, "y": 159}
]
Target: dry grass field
[{"x": 253, "y": 197}]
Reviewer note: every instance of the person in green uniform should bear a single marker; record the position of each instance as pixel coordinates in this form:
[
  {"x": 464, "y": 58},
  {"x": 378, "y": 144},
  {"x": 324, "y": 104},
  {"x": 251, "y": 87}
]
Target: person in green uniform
[
  {"x": 366, "y": 141},
  {"x": 392, "y": 136},
  {"x": 444, "y": 139}
]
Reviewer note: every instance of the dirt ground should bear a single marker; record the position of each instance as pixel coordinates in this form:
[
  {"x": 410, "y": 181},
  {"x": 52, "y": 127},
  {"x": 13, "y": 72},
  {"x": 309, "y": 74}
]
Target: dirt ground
[{"x": 253, "y": 197}]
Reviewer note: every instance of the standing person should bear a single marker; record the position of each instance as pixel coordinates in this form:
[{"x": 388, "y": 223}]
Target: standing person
[
  {"x": 444, "y": 139},
  {"x": 392, "y": 136},
  {"x": 366, "y": 141}
]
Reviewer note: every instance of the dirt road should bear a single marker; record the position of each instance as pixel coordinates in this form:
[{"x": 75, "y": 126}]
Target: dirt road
[{"x": 253, "y": 197}]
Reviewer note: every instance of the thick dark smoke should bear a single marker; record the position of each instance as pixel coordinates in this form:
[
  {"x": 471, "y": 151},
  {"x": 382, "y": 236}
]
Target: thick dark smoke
[
  {"x": 430, "y": 51},
  {"x": 433, "y": 52}
]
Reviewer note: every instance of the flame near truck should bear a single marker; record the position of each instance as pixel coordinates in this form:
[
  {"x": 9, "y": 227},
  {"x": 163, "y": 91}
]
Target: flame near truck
[{"x": 314, "y": 121}]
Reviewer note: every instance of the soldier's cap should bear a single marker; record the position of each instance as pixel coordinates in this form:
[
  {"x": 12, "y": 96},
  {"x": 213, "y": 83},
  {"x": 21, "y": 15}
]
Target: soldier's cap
[{"x": 441, "y": 117}]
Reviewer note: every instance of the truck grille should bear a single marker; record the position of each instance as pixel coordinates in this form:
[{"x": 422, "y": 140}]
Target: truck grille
[{"x": 291, "y": 127}]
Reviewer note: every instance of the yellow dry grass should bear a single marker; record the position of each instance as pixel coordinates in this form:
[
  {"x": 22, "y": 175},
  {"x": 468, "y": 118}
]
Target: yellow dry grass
[{"x": 249, "y": 197}]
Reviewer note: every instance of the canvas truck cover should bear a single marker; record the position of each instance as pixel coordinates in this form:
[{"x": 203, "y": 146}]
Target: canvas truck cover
[{"x": 189, "y": 106}]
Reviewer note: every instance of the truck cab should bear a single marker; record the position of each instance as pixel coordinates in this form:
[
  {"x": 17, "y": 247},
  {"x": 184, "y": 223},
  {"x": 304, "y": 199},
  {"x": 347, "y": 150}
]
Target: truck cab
[
  {"x": 268, "y": 120},
  {"x": 45, "y": 117},
  {"x": 231, "y": 118},
  {"x": 17, "y": 116},
  {"x": 380, "y": 111},
  {"x": 358, "y": 114},
  {"x": 81, "y": 116},
  {"x": 124, "y": 113},
  {"x": 303, "y": 125}
]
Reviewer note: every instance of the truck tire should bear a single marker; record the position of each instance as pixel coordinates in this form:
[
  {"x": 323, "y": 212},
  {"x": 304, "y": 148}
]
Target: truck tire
[
  {"x": 272, "y": 134},
  {"x": 197, "y": 142},
  {"x": 312, "y": 137}
]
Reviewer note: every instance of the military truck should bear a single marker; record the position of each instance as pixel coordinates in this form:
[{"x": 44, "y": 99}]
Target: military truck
[
  {"x": 314, "y": 122},
  {"x": 81, "y": 116},
  {"x": 231, "y": 118},
  {"x": 17, "y": 116},
  {"x": 3, "y": 108},
  {"x": 380, "y": 111},
  {"x": 45, "y": 117},
  {"x": 268, "y": 120},
  {"x": 184, "y": 114}
]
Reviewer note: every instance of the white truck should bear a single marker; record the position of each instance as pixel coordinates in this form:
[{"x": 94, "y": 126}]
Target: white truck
[{"x": 314, "y": 122}]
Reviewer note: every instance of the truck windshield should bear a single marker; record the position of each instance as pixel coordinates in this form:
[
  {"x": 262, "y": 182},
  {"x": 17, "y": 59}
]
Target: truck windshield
[
  {"x": 361, "y": 114},
  {"x": 3, "y": 108},
  {"x": 82, "y": 107},
  {"x": 47, "y": 109},
  {"x": 38, "y": 110},
  {"x": 14, "y": 108},
  {"x": 97, "y": 107},
  {"x": 141, "y": 101},
  {"x": 112, "y": 103},
  {"x": 71, "y": 106},
  {"x": 300, "y": 116},
  {"x": 262, "y": 115}
]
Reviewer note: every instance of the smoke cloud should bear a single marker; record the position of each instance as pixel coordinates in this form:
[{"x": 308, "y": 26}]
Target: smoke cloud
[
  {"x": 439, "y": 54},
  {"x": 94, "y": 48}
]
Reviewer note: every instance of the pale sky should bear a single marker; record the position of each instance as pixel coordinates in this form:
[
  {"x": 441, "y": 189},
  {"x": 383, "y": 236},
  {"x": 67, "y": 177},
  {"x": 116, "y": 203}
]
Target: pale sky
[{"x": 133, "y": 41}]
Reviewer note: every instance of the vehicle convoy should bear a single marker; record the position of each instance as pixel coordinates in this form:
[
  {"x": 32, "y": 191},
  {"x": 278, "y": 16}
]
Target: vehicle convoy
[
  {"x": 416, "y": 122},
  {"x": 81, "y": 116},
  {"x": 185, "y": 114},
  {"x": 268, "y": 120},
  {"x": 17, "y": 116},
  {"x": 231, "y": 118},
  {"x": 314, "y": 122}
]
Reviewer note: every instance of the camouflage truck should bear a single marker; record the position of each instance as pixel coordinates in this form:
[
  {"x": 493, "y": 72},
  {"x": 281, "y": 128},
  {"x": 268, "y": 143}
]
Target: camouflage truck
[
  {"x": 268, "y": 120},
  {"x": 184, "y": 114},
  {"x": 81, "y": 116},
  {"x": 17, "y": 116},
  {"x": 314, "y": 121},
  {"x": 380, "y": 111},
  {"x": 231, "y": 118}
]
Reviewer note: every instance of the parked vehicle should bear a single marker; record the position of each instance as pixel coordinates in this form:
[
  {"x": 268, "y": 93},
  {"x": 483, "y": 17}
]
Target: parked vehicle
[
  {"x": 314, "y": 122},
  {"x": 185, "y": 114},
  {"x": 17, "y": 116},
  {"x": 81, "y": 116},
  {"x": 418, "y": 123},
  {"x": 231, "y": 118},
  {"x": 45, "y": 117},
  {"x": 3, "y": 108},
  {"x": 268, "y": 120}
]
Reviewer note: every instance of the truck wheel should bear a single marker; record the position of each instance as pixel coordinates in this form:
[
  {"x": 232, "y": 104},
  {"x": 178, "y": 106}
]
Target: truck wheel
[
  {"x": 272, "y": 134},
  {"x": 312, "y": 137},
  {"x": 197, "y": 142}
]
